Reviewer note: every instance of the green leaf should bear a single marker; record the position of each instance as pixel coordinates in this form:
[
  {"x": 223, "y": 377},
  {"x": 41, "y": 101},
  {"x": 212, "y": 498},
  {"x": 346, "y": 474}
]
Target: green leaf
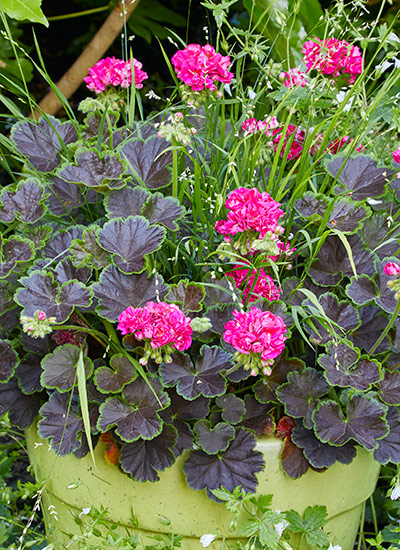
[
  {"x": 83, "y": 401},
  {"x": 24, "y": 9}
]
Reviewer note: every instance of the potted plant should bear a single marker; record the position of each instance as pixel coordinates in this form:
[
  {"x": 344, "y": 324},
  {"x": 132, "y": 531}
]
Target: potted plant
[{"x": 207, "y": 290}]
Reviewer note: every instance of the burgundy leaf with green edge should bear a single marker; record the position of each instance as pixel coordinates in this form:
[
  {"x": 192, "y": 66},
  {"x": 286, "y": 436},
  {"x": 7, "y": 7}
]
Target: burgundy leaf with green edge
[
  {"x": 347, "y": 215},
  {"x": 42, "y": 142},
  {"x": 204, "y": 378},
  {"x": 188, "y": 295},
  {"x": 24, "y": 203},
  {"x": 213, "y": 439},
  {"x": 99, "y": 171},
  {"x": 147, "y": 161},
  {"x": 28, "y": 374},
  {"x": 65, "y": 271},
  {"x": 117, "y": 291},
  {"x": 60, "y": 423},
  {"x": 114, "y": 379},
  {"x": 374, "y": 233},
  {"x": 301, "y": 393},
  {"x": 58, "y": 246},
  {"x": 360, "y": 176},
  {"x": 41, "y": 291},
  {"x": 218, "y": 292},
  {"x": 22, "y": 409},
  {"x": 63, "y": 196},
  {"x": 293, "y": 460},
  {"x": 291, "y": 294},
  {"x": 8, "y": 360},
  {"x": 231, "y": 468},
  {"x": 60, "y": 368},
  {"x": 389, "y": 387},
  {"x": 342, "y": 313},
  {"x": 361, "y": 290},
  {"x": 344, "y": 367},
  {"x": 13, "y": 251},
  {"x": 373, "y": 323},
  {"x": 312, "y": 205},
  {"x": 126, "y": 202},
  {"x": 233, "y": 408},
  {"x": 388, "y": 449},
  {"x": 136, "y": 416},
  {"x": 360, "y": 417},
  {"x": 219, "y": 316},
  {"x": 321, "y": 455},
  {"x": 93, "y": 123},
  {"x": 143, "y": 459},
  {"x": 38, "y": 235},
  {"x": 130, "y": 241},
  {"x": 257, "y": 417},
  {"x": 86, "y": 251},
  {"x": 264, "y": 389},
  {"x": 163, "y": 210}
]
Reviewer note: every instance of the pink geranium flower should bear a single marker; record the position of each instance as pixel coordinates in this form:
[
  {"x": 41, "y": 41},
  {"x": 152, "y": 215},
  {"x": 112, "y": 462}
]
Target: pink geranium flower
[
  {"x": 252, "y": 125},
  {"x": 396, "y": 155},
  {"x": 294, "y": 77},
  {"x": 296, "y": 147},
  {"x": 264, "y": 285},
  {"x": 114, "y": 72},
  {"x": 392, "y": 269}
]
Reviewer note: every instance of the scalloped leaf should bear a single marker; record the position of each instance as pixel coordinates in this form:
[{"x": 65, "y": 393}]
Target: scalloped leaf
[
  {"x": 13, "y": 251},
  {"x": 374, "y": 233},
  {"x": 302, "y": 392},
  {"x": 126, "y": 202},
  {"x": 28, "y": 374},
  {"x": 22, "y": 409},
  {"x": 60, "y": 368},
  {"x": 188, "y": 295},
  {"x": 389, "y": 387},
  {"x": 344, "y": 367},
  {"x": 163, "y": 210},
  {"x": 65, "y": 272},
  {"x": 114, "y": 379},
  {"x": 147, "y": 161},
  {"x": 38, "y": 235},
  {"x": 63, "y": 196},
  {"x": 229, "y": 469},
  {"x": 58, "y": 246},
  {"x": 42, "y": 142},
  {"x": 321, "y": 455},
  {"x": 347, "y": 215},
  {"x": 41, "y": 291},
  {"x": 213, "y": 439},
  {"x": 257, "y": 417},
  {"x": 8, "y": 360},
  {"x": 373, "y": 323},
  {"x": 312, "y": 205},
  {"x": 218, "y": 292},
  {"x": 25, "y": 203},
  {"x": 117, "y": 291},
  {"x": 360, "y": 176},
  {"x": 388, "y": 449},
  {"x": 233, "y": 408},
  {"x": 204, "y": 378},
  {"x": 264, "y": 389},
  {"x": 130, "y": 241},
  {"x": 136, "y": 416},
  {"x": 99, "y": 171},
  {"x": 143, "y": 459},
  {"x": 60, "y": 423},
  {"x": 361, "y": 418},
  {"x": 86, "y": 251}
]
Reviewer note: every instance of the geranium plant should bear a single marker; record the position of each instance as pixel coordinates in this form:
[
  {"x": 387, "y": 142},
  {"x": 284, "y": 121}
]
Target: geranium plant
[{"x": 223, "y": 269}]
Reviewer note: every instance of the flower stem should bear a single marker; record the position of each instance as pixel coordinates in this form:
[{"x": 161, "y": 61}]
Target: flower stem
[{"x": 174, "y": 168}]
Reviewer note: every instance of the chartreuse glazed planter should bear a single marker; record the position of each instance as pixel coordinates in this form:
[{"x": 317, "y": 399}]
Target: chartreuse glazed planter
[{"x": 343, "y": 489}]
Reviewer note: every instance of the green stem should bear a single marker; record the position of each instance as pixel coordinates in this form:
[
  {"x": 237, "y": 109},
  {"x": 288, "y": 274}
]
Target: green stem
[
  {"x": 388, "y": 327},
  {"x": 79, "y": 13},
  {"x": 111, "y": 332},
  {"x": 174, "y": 168}
]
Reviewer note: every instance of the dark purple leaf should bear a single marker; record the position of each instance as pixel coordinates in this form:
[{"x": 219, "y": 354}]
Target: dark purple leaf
[
  {"x": 264, "y": 389},
  {"x": 220, "y": 316},
  {"x": 86, "y": 251},
  {"x": 163, "y": 210},
  {"x": 22, "y": 409},
  {"x": 257, "y": 417},
  {"x": 205, "y": 378},
  {"x": 126, "y": 202},
  {"x": 389, "y": 387},
  {"x": 293, "y": 460},
  {"x": 347, "y": 215},
  {"x": 63, "y": 196},
  {"x": 372, "y": 326},
  {"x": 362, "y": 290},
  {"x": 187, "y": 295},
  {"x": 141, "y": 130},
  {"x": 61, "y": 242},
  {"x": 114, "y": 379},
  {"x": 344, "y": 367},
  {"x": 218, "y": 292},
  {"x": 233, "y": 408},
  {"x": 8, "y": 360},
  {"x": 42, "y": 142},
  {"x": 13, "y": 251},
  {"x": 60, "y": 423},
  {"x": 291, "y": 294},
  {"x": 93, "y": 124},
  {"x": 302, "y": 392},
  {"x": 388, "y": 449},
  {"x": 42, "y": 292},
  {"x": 375, "y": 235},
  {"x": 312, "y": 205},
  {"x": 147, "y": 161},
  {"x": 38, "y": 235},
  {"x": 361, "y": 418},
  {"x": 360, "y": 176},
  {"x": 130, "y": 241},
  {"x": 213, "y": 439},
  {"x": 59, "y": 368},
  {"x": 143, "y": 459},
  {"x": 137, "y": 415},
  {"x": 7, "y": 303},
  {"x": 321, "y": 455},
  {"x": 66, "y": 271},
  {"x": 28, "y": 374},
  {"x": 99, "y": 171},
  {"x": 183, "y": 409},
  {"x": 231, "y": 468},
  {"x": 185, "y": 437},
  {"x": 25, "y": 203},
  {"x": 117, "y": 291}
]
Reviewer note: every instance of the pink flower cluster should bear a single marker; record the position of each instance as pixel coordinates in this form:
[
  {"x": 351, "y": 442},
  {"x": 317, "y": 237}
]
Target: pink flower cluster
[
  {"x": 252, "y": 125},
  {"x": 201, "y": 66},
  {"x": 250, "y": 210},
  {"x": 294, "y": 77},
  {"x": 258, "y": 337},
  {"x": 392, "y": 269},
  {"x": 160, "y": 324},
  {"x": 296, "y": 147},
  {"x": 333, "y": 57},
  {"x": 396, "y": 155},
  {"x": 264, "y": 284},
  {"x": 114, "y": 72}
]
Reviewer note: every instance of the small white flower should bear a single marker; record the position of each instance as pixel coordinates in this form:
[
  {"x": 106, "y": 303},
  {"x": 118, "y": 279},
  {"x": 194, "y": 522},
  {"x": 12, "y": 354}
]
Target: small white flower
[
  {"x": 85, "y": 512},
  {"x": 206, "y": 540},
  {"x": 336, "y": 547},
  {"x": 395, "y": 493},
  {"x": 252, "y": 94},
  {"x": 281, "y": 526}
]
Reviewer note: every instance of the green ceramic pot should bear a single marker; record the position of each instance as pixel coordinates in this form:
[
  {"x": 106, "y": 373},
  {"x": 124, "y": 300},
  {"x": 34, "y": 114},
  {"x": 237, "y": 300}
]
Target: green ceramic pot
[{"x": 342, "y": 489}]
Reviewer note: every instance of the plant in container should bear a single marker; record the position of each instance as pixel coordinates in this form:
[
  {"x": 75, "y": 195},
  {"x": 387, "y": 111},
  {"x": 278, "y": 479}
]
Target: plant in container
[{"x": 207, "y": 297}]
